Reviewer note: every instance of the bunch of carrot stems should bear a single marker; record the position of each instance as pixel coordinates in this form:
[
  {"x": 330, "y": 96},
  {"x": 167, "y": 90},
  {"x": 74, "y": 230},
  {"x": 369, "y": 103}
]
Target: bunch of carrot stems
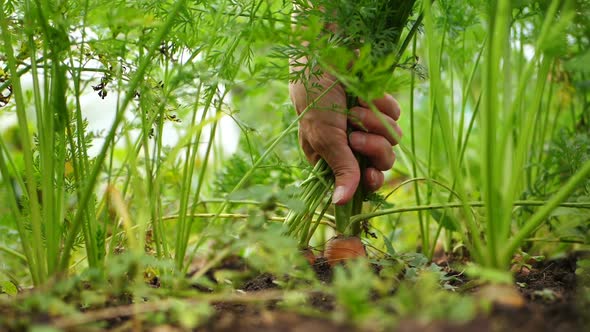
[
  {"x": 316, "y": 187},
  {"x": 315, "y": 190}
]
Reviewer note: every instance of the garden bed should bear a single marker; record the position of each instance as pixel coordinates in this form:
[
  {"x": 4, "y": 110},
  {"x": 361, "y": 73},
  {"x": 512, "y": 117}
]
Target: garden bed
[{"x": 549, "y": 290}]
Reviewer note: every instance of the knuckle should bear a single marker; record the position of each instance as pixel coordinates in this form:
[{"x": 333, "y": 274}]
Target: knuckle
[
  {"x": 357, "y": 116},
  {"x": 345, "y": 171},
  {"x": 322, "y": 146}
]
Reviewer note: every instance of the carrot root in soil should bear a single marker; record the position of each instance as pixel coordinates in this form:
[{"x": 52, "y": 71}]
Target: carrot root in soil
[
  {"x": 308, "y": 255},
  {"x": 343, "y": 248}
]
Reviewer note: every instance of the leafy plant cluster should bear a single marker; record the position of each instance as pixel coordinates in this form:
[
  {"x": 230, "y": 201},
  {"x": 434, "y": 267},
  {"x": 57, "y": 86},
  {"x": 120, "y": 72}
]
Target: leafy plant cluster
[{"x": 494, "y": 161}]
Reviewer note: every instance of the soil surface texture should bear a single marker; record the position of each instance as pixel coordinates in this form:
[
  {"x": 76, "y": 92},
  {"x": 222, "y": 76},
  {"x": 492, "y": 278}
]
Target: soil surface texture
[
  {"x": 547, "y": 291},
  {"x": 548, "y": 288}
]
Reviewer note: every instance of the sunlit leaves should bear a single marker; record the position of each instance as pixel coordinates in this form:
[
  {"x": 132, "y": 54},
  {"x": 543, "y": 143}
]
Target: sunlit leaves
[
  {"x": 8, "y": 287},
  {"x": 357, "y": 41}
]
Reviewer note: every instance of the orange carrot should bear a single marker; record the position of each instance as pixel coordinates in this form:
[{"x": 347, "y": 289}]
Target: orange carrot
[
  {"x": 308, "y": 255},
  {"x": 342, "y": 248}
]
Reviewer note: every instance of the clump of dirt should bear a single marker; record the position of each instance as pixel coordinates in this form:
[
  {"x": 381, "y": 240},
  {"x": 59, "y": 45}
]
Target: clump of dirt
[
  {"x": 322, "y": 269},
  {"x": 260, "y": 282},
  {"x": 550, "y": 290},
  {"x": 322, "y": 302},
  {"x": 551, "y": 281}
]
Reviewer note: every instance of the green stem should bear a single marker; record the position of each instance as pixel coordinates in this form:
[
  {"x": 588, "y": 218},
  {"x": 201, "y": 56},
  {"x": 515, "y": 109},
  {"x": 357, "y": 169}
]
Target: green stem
[
  {"x": 201, "y": 179},
  {"x": 421, "y": 220},
  {"x": 317, "y": 223},
  {"x": 353, "y": 207},
  {"x": 14, "y": 253},
  {"x": 539, "y": 217},
  {"x": 342, "y": 214},
  {"x": 25, "y": 240},
  {"x": 383, "y": 212},
  {"x": 93, "y": 176},
  {"x": 437, "y": 103},
  {"x": 36, "y": 220}
]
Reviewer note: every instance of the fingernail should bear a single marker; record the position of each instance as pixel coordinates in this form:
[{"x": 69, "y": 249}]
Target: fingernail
[{"x": 338, "y": 194}]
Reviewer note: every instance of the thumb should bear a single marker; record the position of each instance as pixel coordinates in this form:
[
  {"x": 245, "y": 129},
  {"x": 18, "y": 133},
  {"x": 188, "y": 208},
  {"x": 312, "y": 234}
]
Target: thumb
[{"x": 346, "y": 172}]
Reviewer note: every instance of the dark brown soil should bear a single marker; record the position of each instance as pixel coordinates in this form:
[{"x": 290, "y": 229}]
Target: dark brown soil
[
  {"x": 549, "y": 289},
  {"x": 322, "y": 269},
  {"x": 248, "y": 318},
  {"x": 261, "y": 282},
  {"x": 551, "y": 305}
]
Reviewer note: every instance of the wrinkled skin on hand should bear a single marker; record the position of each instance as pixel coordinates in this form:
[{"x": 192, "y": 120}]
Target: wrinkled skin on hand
[{"x": 323, "y": 134}]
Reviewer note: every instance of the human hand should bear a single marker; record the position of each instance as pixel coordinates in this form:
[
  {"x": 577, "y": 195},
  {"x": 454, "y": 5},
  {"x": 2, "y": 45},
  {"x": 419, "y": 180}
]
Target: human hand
[{"x": 323, "y": 134}]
